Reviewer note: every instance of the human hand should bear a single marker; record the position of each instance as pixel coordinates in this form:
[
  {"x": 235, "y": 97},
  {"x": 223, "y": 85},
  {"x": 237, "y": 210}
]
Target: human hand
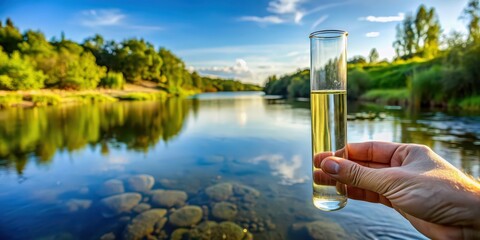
[{"x": 438, "y": 199}]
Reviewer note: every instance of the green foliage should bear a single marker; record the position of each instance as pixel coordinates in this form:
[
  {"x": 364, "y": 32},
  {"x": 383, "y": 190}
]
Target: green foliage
[
  {"x": 142, "y": 96},
  {"x": 470, "y": 103},
  {"x": 418, "y": 35},
  {"x": 45, "y": 99},
  {"x": 17, "y": 73},
  {"x": 357, "y": 60},
  {"x": 10, "y": 37},
  {"x": 358, "y": 82},
  {"x": 427, "y": 85},
  {"x": 9, "y": 99},
  {"x": 472, "y": 13},
  {"x": 387, "y": 96},
  {"x": 373, "y": 56},
  {"x": 90, "y": 97},
  {"x": 32, "y": 62},
  {"x": 112, "y": 80}
]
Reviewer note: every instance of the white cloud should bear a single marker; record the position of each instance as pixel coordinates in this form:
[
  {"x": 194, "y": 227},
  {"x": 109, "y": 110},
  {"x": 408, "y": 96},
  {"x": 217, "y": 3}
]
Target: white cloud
[
  {"x": 285, "y": 10},
  {"x": 267, "y": 19},
  {"x": 102, "y": 17},
  {"x": 95, "y": 18},
  {"x": 319, "y": 21},
  {"x": 239, "y": 70},
  {"x": 283, "y": 6},
  {"x": 384, "y": 19},
  {"x": 290, "y": 171},
  {"x": 372, "y": 34}
]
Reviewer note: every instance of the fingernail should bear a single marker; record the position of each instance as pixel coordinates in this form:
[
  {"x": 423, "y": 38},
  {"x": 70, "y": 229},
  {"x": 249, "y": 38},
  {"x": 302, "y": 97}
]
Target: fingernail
[{"x": 330, "y": 166}]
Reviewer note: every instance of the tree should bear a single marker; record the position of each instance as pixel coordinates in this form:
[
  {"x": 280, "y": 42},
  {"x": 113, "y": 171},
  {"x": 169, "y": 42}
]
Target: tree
[
  {"x": 418, "y": 36},
  {"x": 17, "y": 73},
  {"x": 373, "y": 56},
  {"x": 472, "y": 13},
  {"x": 10, "y": 37},
  {"x": 357, "y": 59}
]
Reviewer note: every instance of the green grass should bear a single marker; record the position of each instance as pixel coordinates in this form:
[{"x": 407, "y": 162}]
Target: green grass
[
  {"x": 387, "y": 96},
  {"x": 470, "y": 103},
  {"x": 9, "y": 99},
  {"x": 45, "y": 99},
  {"x": 142, "y": 96},
  {"x": 90, "y": 97}
]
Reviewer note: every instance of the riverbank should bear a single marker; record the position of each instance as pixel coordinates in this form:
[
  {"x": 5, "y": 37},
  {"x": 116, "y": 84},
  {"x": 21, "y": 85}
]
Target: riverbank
[{"x": 44, "y": 97}]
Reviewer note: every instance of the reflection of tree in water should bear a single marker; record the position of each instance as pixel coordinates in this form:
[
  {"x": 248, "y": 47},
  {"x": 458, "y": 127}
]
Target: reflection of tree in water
[{"x": 43, "y": 131}]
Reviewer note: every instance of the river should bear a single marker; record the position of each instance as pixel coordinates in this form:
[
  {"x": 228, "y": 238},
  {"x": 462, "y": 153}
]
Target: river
[{"x": 54, "y": 162}]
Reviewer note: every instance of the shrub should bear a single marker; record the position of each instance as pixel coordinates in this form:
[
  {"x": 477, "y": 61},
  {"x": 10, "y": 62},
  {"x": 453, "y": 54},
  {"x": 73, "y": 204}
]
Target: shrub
[
  {"x": 17, "y": 73},
  {"x": 9, "y": 99},
  {"x": 45, "y": 99},
  {"x": 387, "y": 96},
  {"x": 142, "y": 96},
  {"x": 113, "y": 80}
]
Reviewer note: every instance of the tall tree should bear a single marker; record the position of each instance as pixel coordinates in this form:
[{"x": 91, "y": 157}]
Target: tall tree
[
  {"x": 10, "y": 36},
  {"x": 472, "y": 13},
  {"x": 373, "y": 56}
]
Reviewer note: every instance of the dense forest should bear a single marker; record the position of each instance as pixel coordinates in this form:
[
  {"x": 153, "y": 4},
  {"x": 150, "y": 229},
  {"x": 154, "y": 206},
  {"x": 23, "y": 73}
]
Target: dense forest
[
  {"x": 430, "y": 69},
  {"x": 29, "y": 61}
]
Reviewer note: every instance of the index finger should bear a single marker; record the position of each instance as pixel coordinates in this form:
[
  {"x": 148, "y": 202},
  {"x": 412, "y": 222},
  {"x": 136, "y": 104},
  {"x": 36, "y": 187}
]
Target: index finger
[{"x": 374, "y": 151}]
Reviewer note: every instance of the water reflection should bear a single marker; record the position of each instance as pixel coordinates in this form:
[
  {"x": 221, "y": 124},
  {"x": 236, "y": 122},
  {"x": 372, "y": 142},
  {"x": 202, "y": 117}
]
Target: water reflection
[
  {"x": 41, "y": 132},
  {"x": 64, "y": 154}
]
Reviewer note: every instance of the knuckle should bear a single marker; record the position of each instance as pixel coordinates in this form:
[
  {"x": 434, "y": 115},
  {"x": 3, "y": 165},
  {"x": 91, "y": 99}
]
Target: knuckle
[{"x": 354, "y": 175}]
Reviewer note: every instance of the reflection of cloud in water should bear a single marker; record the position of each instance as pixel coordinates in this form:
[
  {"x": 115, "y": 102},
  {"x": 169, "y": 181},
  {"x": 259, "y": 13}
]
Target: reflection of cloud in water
[
  {"x": 113, "y": 163},
  {"x": 289, "y": 170}
]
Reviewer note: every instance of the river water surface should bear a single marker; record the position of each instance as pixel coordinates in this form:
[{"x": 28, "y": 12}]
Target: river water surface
[{"x": 54, "y": 160}]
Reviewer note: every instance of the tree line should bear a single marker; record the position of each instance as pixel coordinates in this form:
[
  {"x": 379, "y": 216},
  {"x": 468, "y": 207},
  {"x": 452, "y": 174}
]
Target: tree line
[
  {"x": 435, "y": 68},
  {"x": 30, "y": 61}
]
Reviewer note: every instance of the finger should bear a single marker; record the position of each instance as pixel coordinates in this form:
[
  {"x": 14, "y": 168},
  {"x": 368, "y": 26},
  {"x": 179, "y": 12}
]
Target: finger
[
  {"x": 317, "y": 159},
  {"x": 380, "y": 152},
  {"x": 355, "y": 175}
]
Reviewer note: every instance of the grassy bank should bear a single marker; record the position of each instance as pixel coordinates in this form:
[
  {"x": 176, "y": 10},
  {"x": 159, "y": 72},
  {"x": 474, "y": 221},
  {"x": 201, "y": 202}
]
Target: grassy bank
[{"x": 47, "y": 97}]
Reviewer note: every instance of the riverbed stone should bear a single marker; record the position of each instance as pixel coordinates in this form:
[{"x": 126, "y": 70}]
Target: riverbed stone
[
  {"x": 186, "y": 216},
  {"x": 111, "y": 187},
  {"x": 220, "y": 191},
  {"x": 75, "y": 205},
  {"x": 168, "y": 198},
  {"x": 224, "y": 210},
  {"x": 180, "y": 234},
  {"x": 246, "y": 192},
  {"x": 108, "y": 236},
  {"x": 142, "y": 207},
  {"x": 140, "y": 183},
  {"x": 120, "y": 203},
  {"x": 145, "y": 224},
  {"x": 227, "y": 230},
  {"x": 322, "y": 229}
]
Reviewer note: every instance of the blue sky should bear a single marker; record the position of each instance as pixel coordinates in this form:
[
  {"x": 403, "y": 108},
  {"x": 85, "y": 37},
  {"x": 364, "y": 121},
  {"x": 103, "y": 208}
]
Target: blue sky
[{"x": 248, "y": 40}]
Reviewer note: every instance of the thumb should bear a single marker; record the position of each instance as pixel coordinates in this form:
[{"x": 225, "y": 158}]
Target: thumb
[{"x": 353, "y": 174}]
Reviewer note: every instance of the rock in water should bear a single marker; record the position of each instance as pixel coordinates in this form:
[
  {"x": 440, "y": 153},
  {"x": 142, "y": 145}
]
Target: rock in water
[
  {"x": 140, "y": 183},
  {"x": 180, "y": 234},
  {"x": 142, "y": 207},
  {"x": 224, "y": 210},
  {"x": 111, "y": 187},
  {"x": 168, "y": 198},
  {"x": 322, "y": 229},
  {"x": 108, "y": 236},
  {"x": 220, "y": 192},
  {"x": 186, "y": 216},
  {"x": 121, "y": 203},
  {"x": 75, "y": 205},
  {"x": 247, "y": 193},
  {"x": 144, "y": 224},
  {"x": 227, "y": 230}
]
